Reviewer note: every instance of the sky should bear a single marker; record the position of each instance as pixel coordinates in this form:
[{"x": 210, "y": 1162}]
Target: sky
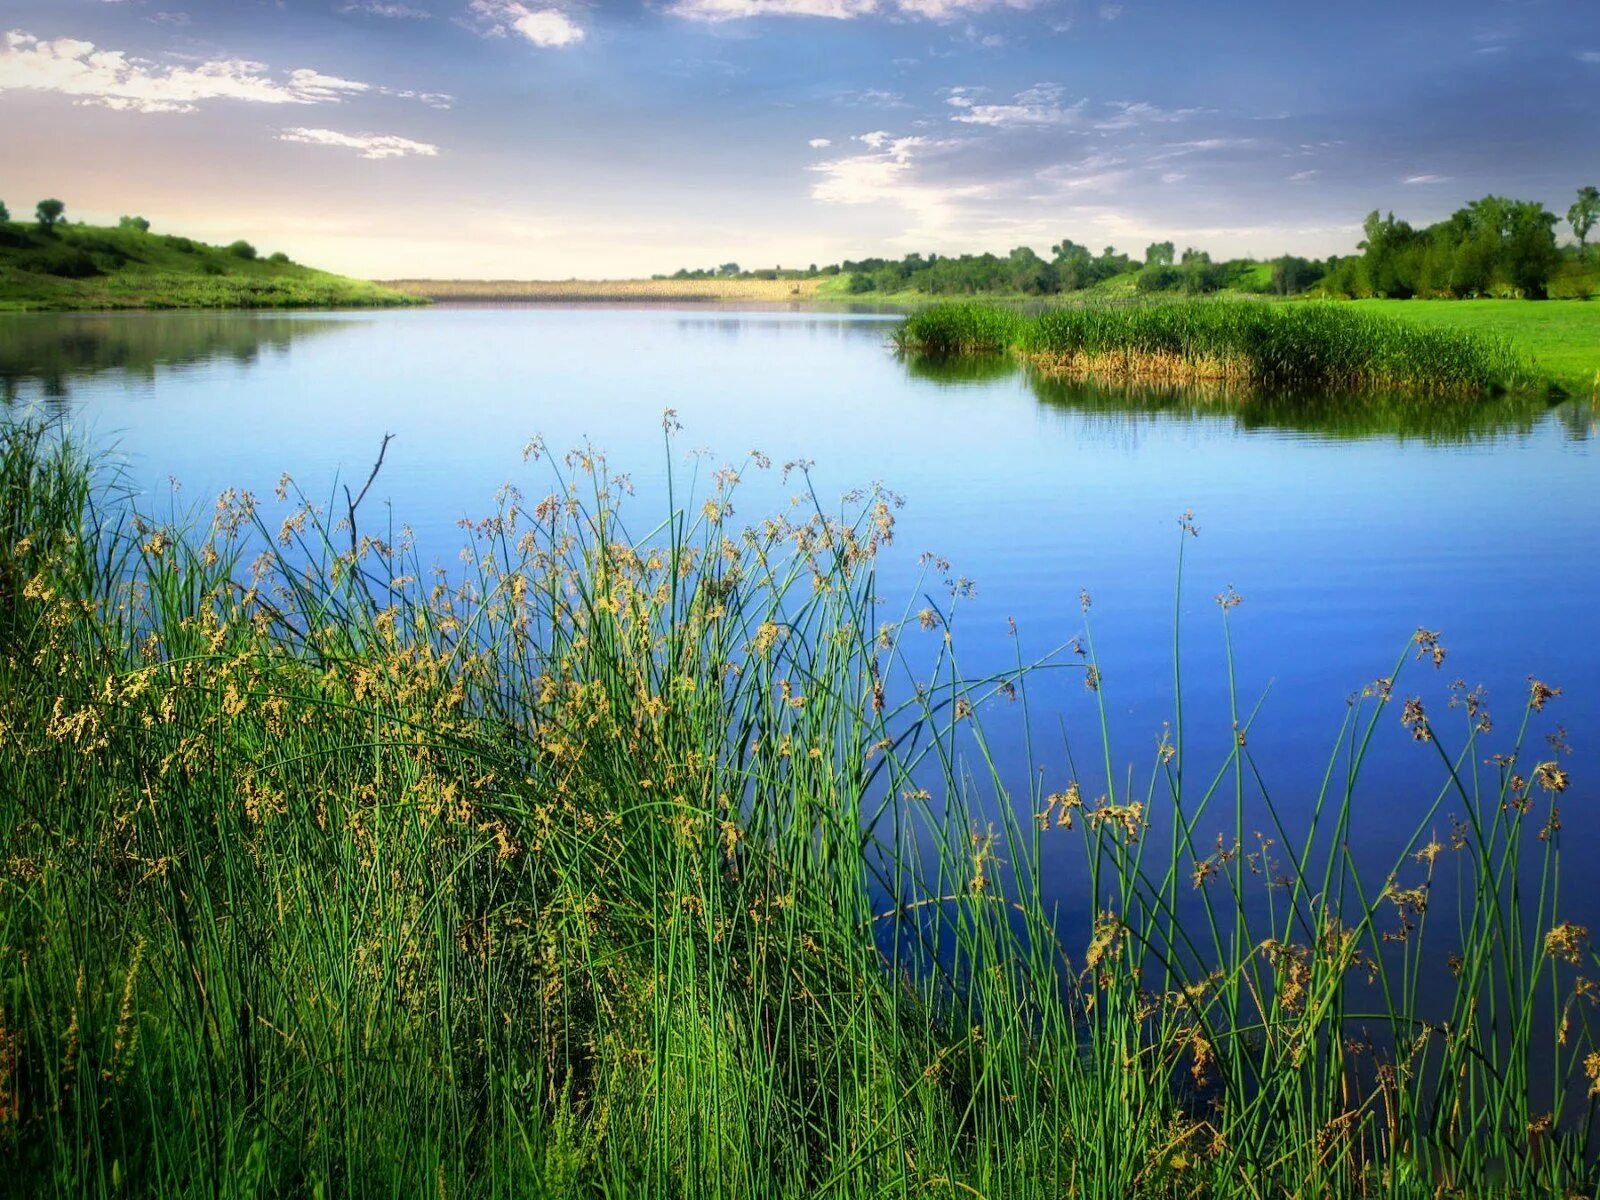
[{"x": 614, "y": 138}]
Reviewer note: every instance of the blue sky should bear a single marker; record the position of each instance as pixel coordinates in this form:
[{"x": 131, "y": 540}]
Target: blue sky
[{"x": 553, "y": 138}]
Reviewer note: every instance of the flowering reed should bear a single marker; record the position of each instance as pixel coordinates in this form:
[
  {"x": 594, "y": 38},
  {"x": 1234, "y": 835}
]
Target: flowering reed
[{"x": 620, "y": 866}]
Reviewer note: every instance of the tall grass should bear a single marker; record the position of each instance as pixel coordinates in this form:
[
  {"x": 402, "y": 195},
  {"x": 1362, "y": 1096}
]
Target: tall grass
[
  {"x": 649, "y": 866},
  {"x": 1275, "y": 345}
]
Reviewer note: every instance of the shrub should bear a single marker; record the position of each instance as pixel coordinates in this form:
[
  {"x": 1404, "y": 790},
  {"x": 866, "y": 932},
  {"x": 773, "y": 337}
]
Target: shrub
[
  {"x": 242, "y": 249},
  {"x": 50, "y": 214},
  {"x": 5, "y": 213},
  {"x": 182, "y": 244},
  {"x": 137, "y": 224},
  {"x": 278, "y": 257}
]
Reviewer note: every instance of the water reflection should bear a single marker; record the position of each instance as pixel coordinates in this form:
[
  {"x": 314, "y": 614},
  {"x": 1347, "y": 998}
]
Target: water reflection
[
  {"x": 52, "y": 352},
  {"x": 1334, "y": 416}
]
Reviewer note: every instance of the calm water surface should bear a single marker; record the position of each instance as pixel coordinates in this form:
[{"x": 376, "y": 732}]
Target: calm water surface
[{"x": 1343, "y": 536}]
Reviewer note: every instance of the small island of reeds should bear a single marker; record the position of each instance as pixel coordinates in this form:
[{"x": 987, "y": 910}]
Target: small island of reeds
[{"x": 1303, "y": 345}]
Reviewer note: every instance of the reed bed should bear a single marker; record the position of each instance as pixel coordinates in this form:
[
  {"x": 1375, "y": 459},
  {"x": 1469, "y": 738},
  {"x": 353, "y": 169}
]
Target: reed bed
[
  {"x": 672, "y": 865},
  {"x": 1309, "y": 345}
]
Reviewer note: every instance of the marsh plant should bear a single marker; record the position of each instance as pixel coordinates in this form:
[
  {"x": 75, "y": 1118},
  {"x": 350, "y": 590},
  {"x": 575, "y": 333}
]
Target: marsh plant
[
  {"x": 670, "y": 864},
  {"x": 1309, "y": 344}
]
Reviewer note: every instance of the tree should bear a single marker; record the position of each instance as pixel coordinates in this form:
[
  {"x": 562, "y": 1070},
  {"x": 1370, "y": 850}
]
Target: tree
[
  {"x": 1159, "y": 254},
  {"x": 49, "y": 213},
  {"x": 242, "y": 249},
  {"x": 731, "y": 268},
  {"x": 5, "y": 213},
  {"x": 1582, "y": 215},
  {"x": 135, "y": 223}
]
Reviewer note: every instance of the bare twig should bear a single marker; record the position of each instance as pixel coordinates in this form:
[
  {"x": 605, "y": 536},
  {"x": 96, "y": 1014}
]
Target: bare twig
[{"x": 356, "y": 502}]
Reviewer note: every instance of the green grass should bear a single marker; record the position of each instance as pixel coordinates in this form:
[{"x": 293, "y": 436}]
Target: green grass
[
  {"x": 1312, "y": 345},
  {"x": 86, "y": 267},
  {"x": 1561, "y": 338},
  {"x": 676, "y": 867}
]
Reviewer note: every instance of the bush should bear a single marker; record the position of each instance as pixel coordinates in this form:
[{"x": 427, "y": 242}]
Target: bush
[
  {"x": 182, "y": 244},
  {"x": 137, "y": 224},
  {"x": 242, "y": 249},
  {"x": 278, "y": 257},
  {"x": 66, "y": 262},
  {"x": 5, "y": 213}
]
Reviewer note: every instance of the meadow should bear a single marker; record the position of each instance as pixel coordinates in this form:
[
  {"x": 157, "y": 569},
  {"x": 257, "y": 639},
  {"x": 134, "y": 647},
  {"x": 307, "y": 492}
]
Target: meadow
[
  {"x": 1316, "y": 345},
  {"x": 1560, "y": 338},
  {"x": 674, "y": 865},
  {"x": 85, "y": 267}
]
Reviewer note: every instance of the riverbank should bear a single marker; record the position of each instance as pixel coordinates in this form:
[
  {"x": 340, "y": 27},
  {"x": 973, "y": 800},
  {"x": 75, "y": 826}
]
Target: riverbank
[
  {"x": 91, "y": 268},
  {"x": 573, "y": 291},
  {"x": 664, "y": 870}
]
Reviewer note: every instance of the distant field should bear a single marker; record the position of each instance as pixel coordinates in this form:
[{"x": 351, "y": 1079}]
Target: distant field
[
  {"x": 611, "y": 289},
  {"x": 1562, "y": 337}
]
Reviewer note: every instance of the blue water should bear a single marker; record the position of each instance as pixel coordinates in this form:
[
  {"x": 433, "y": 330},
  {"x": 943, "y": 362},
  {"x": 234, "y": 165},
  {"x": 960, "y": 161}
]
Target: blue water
[{"x": 1342, "y": 544}]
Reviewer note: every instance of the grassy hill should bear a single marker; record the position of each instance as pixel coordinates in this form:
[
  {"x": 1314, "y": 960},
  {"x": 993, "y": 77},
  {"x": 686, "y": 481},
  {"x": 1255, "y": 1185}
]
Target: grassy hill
[{"x": 90, "y": 267}]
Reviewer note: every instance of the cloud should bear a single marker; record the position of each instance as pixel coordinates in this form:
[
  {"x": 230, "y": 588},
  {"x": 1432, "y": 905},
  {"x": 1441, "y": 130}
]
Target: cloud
[
  {"x": 717, "y": 11},
  {"x": 1303, "y": 176},
  {"x": 368, "y": 145},
  {"x": 1038, "y": 105},
  {"x": 112, "y": 79},
  {"x": 379, "y": 8},
  {"x": 1590, "y": 56},
  {"x": 545, "y": 27},
  {"x": 1412, "y": 180},
  {"x": 820, "y": 143},
  {"x": 1042, "y": 105},
  {"x": 1128, "y": 114},
  {"x": 888, "y": 175}
]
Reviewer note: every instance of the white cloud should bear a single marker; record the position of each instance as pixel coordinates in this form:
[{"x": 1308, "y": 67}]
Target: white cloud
[
  {"x": 368, "y": 145},
  {"x": 1129, "y": 114},
  {"x": 1411, "y": 180},
  {"x": 820, "y": 143},
  {"x": 380, "y": 8},
  {"x": 1303, "y": 176},
  {"x": 1038, "y": 105},
  {"x": 112, "y": 79},
  {"x": 887, "y": 176},
  {"x": 1590, "y": 56},
  {"x": 545, "y": 27},
  {"x": 717, "y": 11},
  {"x": 1042, "y": 104}
]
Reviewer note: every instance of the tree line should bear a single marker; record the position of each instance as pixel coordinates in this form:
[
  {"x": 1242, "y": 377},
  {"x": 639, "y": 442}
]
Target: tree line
[{"x": 1493, "y": 247}]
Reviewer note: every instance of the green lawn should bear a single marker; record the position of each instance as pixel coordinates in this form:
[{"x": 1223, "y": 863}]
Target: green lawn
[{"x": 1562, "y": 337}]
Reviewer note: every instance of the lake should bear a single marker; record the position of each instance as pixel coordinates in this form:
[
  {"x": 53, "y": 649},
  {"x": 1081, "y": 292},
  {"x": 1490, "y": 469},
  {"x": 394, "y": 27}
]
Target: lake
[{"x": 1343, "y": 532}]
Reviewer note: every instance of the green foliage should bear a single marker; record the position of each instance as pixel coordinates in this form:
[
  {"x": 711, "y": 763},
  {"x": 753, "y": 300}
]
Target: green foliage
[
  {"x": 5, "y": 213},
  {"x": 1159, "y": 254},
  {"x": 137, "y": 224},
  {"x": 49, "y": 213},
  {"x": 278, "y": 257},
  {"x": 1584, "y": 212},
  {"x": 1493, "y": 246},
  {"x": 242, "y": 249},
  {"x": 85, "y": 267},
  {"x": 664, "y": 870},
  {"x": 1301, "y": 345},
  {"x": 961, "y": 329}
]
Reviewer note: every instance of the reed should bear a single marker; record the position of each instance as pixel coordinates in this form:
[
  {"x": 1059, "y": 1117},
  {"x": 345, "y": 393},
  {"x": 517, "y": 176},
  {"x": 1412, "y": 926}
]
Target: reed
[
  {"x": 1309, "y": 345},
  {"x": 674, "y": 865}
]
